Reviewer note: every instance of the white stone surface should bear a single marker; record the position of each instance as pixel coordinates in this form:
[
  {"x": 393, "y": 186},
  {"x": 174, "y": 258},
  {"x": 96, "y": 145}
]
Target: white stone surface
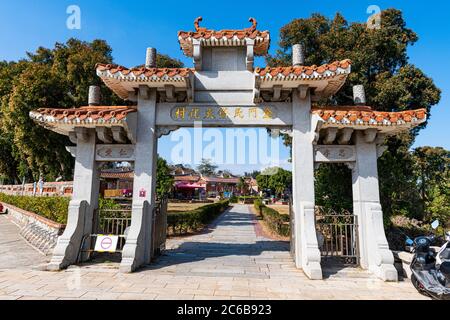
[
  {"x": 83, "y": 204},
  {"x": 138, "y": 245},
  {"x": 307, "y": 254},
  {"x": 373, "y": 246}
]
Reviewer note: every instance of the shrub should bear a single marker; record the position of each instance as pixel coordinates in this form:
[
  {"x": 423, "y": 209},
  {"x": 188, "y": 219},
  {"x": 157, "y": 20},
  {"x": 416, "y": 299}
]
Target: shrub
[
  {"x": 277, "y": 222},
  {"x": 53, "y": 208},
  {"x": 184, "y": 222}
]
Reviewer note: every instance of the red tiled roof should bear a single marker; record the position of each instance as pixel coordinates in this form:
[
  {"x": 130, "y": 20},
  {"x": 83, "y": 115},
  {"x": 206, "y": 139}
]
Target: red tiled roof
[
  {"x": 225, "y": 37},
  {"x": 143, "y": 72},
  {"x": 314, "y": 71},
  {"x": 222, "y": 180},
  {"x": 186, "y": 178},
  {"x": 89, "y": 114},
  {"x": 117, "y": 175},
  {"x": 363, "y": 115}
]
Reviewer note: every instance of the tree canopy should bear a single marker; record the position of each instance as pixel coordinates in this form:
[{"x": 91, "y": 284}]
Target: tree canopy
[
  {"x": 56, "y": 78},
  {"x": 164, "y": 181},
  {"x": 380, "y": 62},
  {"x": 276, "y": 179},
  {"x": 207, "y": 167}
]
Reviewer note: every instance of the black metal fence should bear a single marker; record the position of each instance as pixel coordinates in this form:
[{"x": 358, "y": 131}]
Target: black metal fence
[{"x": 338, "y": 236}]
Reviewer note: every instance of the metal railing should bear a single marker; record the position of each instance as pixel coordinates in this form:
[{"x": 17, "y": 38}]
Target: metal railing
[
  {"x": 159, "y": 227},
  {"x": 338, "y": 235},
  {"x": 116, "y": 221}
]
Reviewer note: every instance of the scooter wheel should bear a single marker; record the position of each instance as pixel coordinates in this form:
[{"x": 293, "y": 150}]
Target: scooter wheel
[{"x": 419, "y": 287}]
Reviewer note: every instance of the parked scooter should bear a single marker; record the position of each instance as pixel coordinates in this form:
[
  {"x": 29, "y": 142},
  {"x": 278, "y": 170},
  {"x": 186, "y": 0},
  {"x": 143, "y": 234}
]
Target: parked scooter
[{"x": 431, "y": 270}]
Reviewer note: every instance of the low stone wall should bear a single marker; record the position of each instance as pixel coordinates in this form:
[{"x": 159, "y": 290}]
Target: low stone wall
[
  {"x": 40, "y": 232},
  {"x": 63, "y": 188}
]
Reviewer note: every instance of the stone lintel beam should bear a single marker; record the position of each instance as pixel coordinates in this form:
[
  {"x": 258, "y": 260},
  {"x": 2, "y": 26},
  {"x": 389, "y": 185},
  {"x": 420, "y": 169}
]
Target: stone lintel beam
[
  {"x": 132, "y": 96},
  {"x": 330, "y": 135},
  {"x": 82, "y": 133},
  {"x": 165, "y": 130},
  {"x": 197, "y": 53},
  {"x": 104, "y": 134},
  {"x": 381, "y": 150},
  {"x": 370, "y": 135},
  {"x": 119, "y": 134},
  {"x": 380, "y": 138},
  {"x": 250, "y": 54},
  {"x": 277, "y": 92},
  {"x": 73, "y": 137},
  {"x": 72, "y": 150},
  {"x": 144, "y": 91},
  {"x": 170, "y": 93},
  {"x": 345, "y": 135},
  {"x": 303, "y": 91}
]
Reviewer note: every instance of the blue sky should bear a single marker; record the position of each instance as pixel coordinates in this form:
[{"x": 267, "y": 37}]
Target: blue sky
[{"x": 131, "y": 26}]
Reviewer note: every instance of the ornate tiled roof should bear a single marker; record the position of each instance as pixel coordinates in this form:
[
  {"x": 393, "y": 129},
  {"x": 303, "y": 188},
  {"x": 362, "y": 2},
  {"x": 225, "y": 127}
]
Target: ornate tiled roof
[
  {"x": 143, "y": 73},
  {"x": 365, "y": 116},
  {"x": 225, "y": 38},
  {"x": 304, "y": 72},
  {"x": 83, "y": 115},
  {"x": 124, "y": 80}
]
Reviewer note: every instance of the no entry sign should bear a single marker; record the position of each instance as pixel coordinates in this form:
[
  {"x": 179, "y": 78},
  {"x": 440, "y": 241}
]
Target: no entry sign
[{"x": 106, "y": 243}]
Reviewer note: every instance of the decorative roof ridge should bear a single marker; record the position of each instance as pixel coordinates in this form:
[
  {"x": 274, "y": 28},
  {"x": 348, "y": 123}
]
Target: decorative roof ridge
[
  {"x": 87, "y": 108},
  {"x": 142, "y": 70},
  {"x": 94, "y": 113},
  {"x": 364, "y": 115},
  {"x": 232, "y": 37},
  {"x": 308, "y": 70},
  {"x": 200, "y": 32}
]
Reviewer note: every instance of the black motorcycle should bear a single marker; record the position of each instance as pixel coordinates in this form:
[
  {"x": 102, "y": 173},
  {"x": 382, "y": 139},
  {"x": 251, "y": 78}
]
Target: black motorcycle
[{"x": 430, "y": 269}]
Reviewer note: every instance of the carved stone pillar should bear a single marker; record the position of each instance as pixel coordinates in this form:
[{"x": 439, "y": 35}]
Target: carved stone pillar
[
  {"x": 137, "y": 249},
  {"x": 307, "y": 254},
  {"x": 373, "y": 246},
  {"x": 83, "y": 204}
]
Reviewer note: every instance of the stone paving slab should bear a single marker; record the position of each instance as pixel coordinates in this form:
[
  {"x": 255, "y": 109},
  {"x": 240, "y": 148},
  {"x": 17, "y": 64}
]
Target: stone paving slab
[
  {"x": 230, "y": 261},
  {"x": 15, "y": 252}
]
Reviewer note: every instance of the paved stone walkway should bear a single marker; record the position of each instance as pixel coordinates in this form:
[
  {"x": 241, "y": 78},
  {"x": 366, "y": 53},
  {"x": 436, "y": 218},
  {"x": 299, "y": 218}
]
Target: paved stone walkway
[
  {"x": 15, "y": 252},
  {"x": 229, "y": 261}
]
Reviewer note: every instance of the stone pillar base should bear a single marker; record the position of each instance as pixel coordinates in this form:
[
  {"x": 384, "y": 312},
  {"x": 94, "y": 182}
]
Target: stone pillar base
[
  {"x": 137, "y": 249},
  {"x": 68, "y": 247},
  {"x": 377, "y": 257},
  {"x": 385, "y": 272},
  {"x": 307, "y": 257},
  {"x": 313, "y": 271}
]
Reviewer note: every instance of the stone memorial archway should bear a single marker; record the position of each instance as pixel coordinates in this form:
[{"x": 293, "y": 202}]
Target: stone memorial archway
[{"x": 225, "y": 90}]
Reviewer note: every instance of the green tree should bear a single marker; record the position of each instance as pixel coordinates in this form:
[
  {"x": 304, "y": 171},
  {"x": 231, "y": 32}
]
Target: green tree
[
  {"x": 165, "y": 61},
  {"x": 207, "y": 168},
  {"x": 380, "y": 63},
  {"x": 276, "y": 179},
  {"x": 432, "y": 172},
  {"x": 242, "y": 186},
  {"x": 164, "y": 181},
  {"x": 56, "y": 78}
]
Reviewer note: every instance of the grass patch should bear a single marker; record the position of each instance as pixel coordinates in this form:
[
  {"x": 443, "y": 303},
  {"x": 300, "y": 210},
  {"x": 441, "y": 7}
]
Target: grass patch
[
  {"x": 180, "y": 223},
  {"x": 279, "y": 223}
]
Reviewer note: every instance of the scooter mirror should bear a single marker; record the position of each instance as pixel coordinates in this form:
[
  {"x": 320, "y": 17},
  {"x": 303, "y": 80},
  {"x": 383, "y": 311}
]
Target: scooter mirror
[
  {"x": 435, "y": 224},
  {"x": 409, "y": 242}
]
